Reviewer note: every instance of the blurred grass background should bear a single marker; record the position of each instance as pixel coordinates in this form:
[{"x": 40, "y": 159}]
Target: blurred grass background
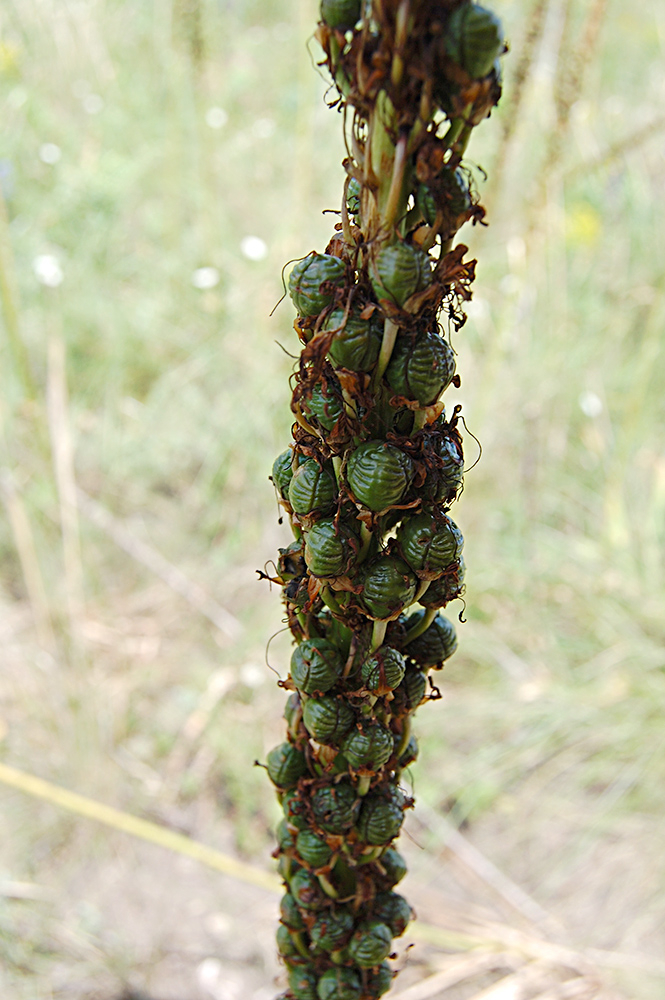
[{"x": 160, "y": 162}]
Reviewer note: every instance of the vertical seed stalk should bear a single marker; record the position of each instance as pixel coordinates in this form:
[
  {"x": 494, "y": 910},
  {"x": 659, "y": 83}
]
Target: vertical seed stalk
[{"x": 371, "y": 473}]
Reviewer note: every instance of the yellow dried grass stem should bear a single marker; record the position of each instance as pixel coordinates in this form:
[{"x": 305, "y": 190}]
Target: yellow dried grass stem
[{"x": 81, "y": 805}]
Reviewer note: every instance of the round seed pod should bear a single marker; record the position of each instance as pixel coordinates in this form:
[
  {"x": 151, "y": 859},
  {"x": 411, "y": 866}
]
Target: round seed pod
[
  {"x": 313, "y": 849},
  {"x": 413, "y": 687},
  {"x": 285, "y": 943},
  {"x": 284, "y": 835},
  {"x": 289, "y": 913},
  {"x": 340, "y": 14},
  {"x": 292, "y": 709},
  {"x": 393, "y": 910},
  {"x": 285, "y": 765},
  {"x": 324, "y": 407},
  {"x": 444, "y": 480},
  {"x": 381, "y": 817},
  {"x": 474, "y": 39},
  {"x": 315, "y": 665},
  {"x": 448, "y": 587},
  {"x": 379, "y": 474},
  {"x": 369, "y": 747},
  {"x": 398, "y": 271},
  {"x": 335, "y": 807},
  {"x": 421, "y": 368},
  {"x": 331, "y": 929},
  {"x": 379, "y": 981},
  {"x": 287, "y": 867},
  {"x": 307, "y": 278},
  {"x": 282, "y": 472},
  {"x": 370, "y": 944},
  {"x": 328, "y": 719},
  {"x": 394, "y": 865},
  {"x": 356, "y": 343},
  {"x": 293, "y": 808},
  {"x": 456, "y": 199},
  {"x": 435, "y": 645},
  {"x": 330, "y": 548},
  {"x": 303, "y": 983},
  {"x": 429, "y": 543},
  {"x": 339, "y": 983},
  {"x": 312, "y": 488},
  {"x": 389, "y": 586},
  {"x": 353, "y": 194},
  {"x": 306, "y": 890},
  {"x": 409, "y": 754},
  {"x": 383, "y": 670}
]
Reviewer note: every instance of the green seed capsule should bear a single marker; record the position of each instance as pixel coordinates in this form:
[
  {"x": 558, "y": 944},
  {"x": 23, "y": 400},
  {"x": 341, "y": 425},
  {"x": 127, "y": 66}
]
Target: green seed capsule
[
  {"x": 313, "y": 849},
  {"x": 474, "y": 39},
  {"x": 311, "y": 281},
  {"x": 286, "y": 764},
  {"x": 356, "y": 343},
  {"x": 389, "y": 586},
  {"x": 384, "y": 670},
  {"x": 353, "y": 194},
  {"x": 435, "y": 645},
  {"x": 315, "y": 666},
  {"x": 312, "y": 488},
  {"x": 340, "y": 14},
  {"x": 379, "y": 981},
  {"x": 290, "y": 914},
  {"x": 454, "y": 196},
  {"x": 393, "y": 910},
  {"x": 287, "y": 867},
  {"x": 409, "y": 754},
  {"x": 379, "y": 474},
  {"x": 339, "y": 984},
  {"x": 306, "y": 890},
  {"x": 285, "y": 943},
  {"x": 335, "y": 807},
  {"x": 293, "y": 808},
  {"x": 328, "y": 719},
  {"x": 282, "y": 472},
  {"x": 413, "y": 687},
  {"x": 447, "y": 588},
  {"x": 394, "y": 865},
  {"x": 369, "y": 747},
  {"x": 284, "y": 836},
  {"x": 398, "y": 271},
  {"x": 429, "y": 543},
  {"x": 370, "y": 944},
  {"x": 303, "y": 983},
  {"x": 324, "y": 407},
  {"x": 332, "y": 929},
  {"x": 381, "y": 817},
  {"x": 330, "y": 549},
  {"x": 444, "y": 478},
  {"x": 421, "y": 368}
]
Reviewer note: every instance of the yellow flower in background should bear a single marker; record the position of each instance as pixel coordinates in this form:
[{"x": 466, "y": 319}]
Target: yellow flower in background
[
  {"x": 583, "y": 224},
  {"x": 8, "y": 59}
]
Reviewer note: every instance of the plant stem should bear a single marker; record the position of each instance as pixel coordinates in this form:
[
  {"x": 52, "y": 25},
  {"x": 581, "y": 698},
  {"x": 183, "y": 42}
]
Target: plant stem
[{"x": 421, "y": 627}]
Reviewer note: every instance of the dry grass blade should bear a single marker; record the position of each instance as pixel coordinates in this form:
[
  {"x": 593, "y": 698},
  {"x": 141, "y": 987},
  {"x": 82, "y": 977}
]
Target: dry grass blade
[
  {"x": 486, "y": 870},
  {"x": 63, "y": 461},
  {"x": 457, "y": 972},
  {"x": 174, "y": 577},
  {"x": 27, "y": 553}
]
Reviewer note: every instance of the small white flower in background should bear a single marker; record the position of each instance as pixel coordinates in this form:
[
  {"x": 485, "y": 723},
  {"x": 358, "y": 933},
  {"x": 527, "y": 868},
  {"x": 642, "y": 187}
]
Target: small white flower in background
[
  {"x": 47, "y": 270},
  {"x": 93, "y": 104},
  {"x": 253, "y": 248},
  {"x": 263, "y": 128},
  {"x": 49, "y": 153},
  {"x": 590, "y": 404},
  {"x": 216, "y": 117},
  {"x": 205, "y": 277}
]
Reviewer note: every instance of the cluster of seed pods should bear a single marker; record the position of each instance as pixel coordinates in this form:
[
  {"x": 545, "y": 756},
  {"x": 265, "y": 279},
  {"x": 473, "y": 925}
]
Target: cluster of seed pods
[{"x": 370, "y": 475}]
